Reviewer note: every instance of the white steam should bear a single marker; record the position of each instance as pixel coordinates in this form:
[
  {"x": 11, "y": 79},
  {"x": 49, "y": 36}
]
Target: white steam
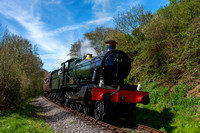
[{"x": 86, "y": 48}]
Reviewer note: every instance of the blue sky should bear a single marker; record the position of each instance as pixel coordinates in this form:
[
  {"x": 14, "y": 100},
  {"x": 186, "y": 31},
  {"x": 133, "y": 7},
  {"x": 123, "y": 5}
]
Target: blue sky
[{"x": 53, "y": 25}]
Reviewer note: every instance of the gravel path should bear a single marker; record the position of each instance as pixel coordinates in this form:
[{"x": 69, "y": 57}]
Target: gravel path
[{"x": 61, "y": 120}]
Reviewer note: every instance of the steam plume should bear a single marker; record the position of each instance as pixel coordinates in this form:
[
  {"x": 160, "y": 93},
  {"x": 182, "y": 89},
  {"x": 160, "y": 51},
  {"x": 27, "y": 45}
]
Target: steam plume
[{"x": 86, "y": 48}]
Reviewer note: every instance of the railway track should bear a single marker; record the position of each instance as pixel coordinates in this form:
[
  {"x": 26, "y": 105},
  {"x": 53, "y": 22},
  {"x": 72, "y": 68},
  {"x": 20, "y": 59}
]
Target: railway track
[{"x": 105, "y": 127}]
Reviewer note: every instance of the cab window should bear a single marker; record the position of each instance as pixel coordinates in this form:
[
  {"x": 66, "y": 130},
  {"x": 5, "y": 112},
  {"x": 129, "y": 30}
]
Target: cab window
[
  {"x": 66, "y": 65},
  {"x": 71, "y": 65}
]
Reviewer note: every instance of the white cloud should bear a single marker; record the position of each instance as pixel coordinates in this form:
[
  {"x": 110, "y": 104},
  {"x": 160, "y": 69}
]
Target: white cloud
[
  {"x": 100, "y": 7},
  {"x": 53, "y": 61},
  {"x": 99, "y": 21},
  {"x": 75, "y": 27},
  {"x": 64, "y": 29},
  {"x": 96, "y": 3},
  {"x": 35, "y": 28},
  {"x": 54, "y": 50},
  {"x": 33, "y": 25}
]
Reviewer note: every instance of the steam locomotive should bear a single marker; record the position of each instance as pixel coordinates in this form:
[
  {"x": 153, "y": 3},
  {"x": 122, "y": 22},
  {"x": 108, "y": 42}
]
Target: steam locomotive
[{"x": 95, "y": 85}]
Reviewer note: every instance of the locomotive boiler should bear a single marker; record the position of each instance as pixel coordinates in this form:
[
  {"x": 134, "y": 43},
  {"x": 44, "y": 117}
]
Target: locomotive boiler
[{"x": 95, "y": 85}]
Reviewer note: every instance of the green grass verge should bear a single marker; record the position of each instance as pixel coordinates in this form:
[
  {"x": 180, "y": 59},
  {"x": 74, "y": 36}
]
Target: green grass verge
[
  {"x": 170, "y": 110},
  {"x": 23, "y": 120}
]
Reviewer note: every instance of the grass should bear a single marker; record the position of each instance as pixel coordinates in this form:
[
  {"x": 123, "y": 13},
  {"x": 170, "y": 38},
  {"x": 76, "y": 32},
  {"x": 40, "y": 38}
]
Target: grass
[
  {"x": 24, "y": 119},
  {"x": 170, "y": 110}
]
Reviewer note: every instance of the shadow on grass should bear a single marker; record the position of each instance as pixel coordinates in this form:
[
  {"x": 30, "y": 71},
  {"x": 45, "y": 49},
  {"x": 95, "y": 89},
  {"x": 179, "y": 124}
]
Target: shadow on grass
[
  {"x": 23, "y": 119},
  {"x": 29, "y": 110},
  {"x": 26, "y": 111},
  {"x": 154, "y": 119}
]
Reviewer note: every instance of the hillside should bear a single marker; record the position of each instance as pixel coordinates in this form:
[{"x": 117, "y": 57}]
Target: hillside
[
  {"x": 167, "y": 47},
  {"x": 165, "y": 51}
]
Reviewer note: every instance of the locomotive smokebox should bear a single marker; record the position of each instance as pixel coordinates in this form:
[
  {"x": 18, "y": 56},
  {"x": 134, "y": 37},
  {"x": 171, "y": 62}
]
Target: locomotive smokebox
[{"x": 110, "y": 45}]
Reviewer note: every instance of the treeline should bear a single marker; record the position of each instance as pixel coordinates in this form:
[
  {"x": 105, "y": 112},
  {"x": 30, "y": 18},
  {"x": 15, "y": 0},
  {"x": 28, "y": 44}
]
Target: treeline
[
  {"x": 164, "y": 46},
  {"x": 21, "y": 70}
]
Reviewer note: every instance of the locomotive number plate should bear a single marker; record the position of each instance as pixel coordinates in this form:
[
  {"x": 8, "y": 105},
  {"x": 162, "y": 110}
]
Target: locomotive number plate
[{"x": 117, "y": 60}]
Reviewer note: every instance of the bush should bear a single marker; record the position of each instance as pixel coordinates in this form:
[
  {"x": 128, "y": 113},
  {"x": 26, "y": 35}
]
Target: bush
[
  {"x": 169, "y": 109},
  {"x": 170, "y": 50},
  {"x": 21, "y": 72}
]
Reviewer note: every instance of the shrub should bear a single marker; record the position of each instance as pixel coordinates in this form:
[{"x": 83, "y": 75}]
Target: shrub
[{"x": 21, "y": 71}]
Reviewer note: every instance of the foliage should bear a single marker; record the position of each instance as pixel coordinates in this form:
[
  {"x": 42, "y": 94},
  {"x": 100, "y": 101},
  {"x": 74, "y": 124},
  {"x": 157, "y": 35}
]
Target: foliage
[
  {"x": 169, "y": 109},
  {"x": 21, "y": 71},
  {"x": 165, "y": 53},
  {"x": 98, "y": 38},
  {"x": 128, "y": 22},
  {"x": 166, "y": 47},
  {"x": 163, "y": 47},
  {"x": 23, "y": 119},
  {"x": 93, "y": 41},
  {"x": 124, "y": 42},
  {"x": 75, "y": 50}
]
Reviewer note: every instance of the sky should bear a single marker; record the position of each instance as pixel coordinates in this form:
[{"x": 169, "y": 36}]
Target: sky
[{"x": 53, "y": 25}]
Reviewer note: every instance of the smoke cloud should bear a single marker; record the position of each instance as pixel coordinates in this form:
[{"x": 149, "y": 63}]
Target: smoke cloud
[{"x": 86, "y": 48}]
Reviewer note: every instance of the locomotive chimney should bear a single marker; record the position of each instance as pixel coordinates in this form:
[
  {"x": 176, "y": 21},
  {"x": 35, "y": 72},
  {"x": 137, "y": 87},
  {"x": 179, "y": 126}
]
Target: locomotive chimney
[{"x": 110, "y": 45}]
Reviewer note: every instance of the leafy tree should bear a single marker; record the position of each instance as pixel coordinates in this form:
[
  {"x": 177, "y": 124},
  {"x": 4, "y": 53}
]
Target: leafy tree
[
  {"x": 75, "y": 51},
  {"x": 160, "y": 45},
  {"x": 168, "y": 46},
  {"x": 98, "y": 38},
  {"x": 163, "y": 46},
  {"x": 128, "y": 22},
  {"x": 21, "y": 72},
  {"x": 129, "y": 29},
  {"x": 125, "y": 42}
]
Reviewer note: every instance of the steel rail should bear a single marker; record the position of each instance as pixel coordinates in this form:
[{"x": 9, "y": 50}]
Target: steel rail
[{"x": 105, "y": 125}]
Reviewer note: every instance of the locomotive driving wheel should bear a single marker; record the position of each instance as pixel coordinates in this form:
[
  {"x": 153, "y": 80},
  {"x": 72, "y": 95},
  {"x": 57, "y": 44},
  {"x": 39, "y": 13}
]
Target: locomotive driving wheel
[
  {"x": 54, "y": 97},
  {"x": 66, "y": 102},
  {"x": 72, "y": 104},
  {"x": 79, "y": 107},
  {"x": 85, "y": 110},
  {"x": 100, "y": 111}
]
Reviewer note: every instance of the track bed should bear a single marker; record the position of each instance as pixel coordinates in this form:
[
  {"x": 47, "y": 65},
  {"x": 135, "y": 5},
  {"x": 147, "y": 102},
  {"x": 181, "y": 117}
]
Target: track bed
[{"x": 63, "y": 119}]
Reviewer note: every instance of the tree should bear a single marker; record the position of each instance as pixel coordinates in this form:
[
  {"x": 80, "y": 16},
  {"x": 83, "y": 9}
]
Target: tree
[
  {"x": 128, "y": 22},
  {"x": 75, "y": 50},
  {"x": 98, "y": 38},
  {"x": 21, "y": 72}
]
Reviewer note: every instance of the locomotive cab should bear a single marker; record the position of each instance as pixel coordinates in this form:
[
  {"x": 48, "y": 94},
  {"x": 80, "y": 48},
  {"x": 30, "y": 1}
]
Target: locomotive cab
[{"x": 68, "y": 70}]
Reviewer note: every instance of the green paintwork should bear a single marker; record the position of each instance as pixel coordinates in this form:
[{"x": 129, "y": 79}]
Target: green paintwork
[
  {"x": 55, "y": 81},
  {"x": 72, "y": 70},
  {"x": 82, "y": 70},
  {"x": 61, "y": 77}
]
